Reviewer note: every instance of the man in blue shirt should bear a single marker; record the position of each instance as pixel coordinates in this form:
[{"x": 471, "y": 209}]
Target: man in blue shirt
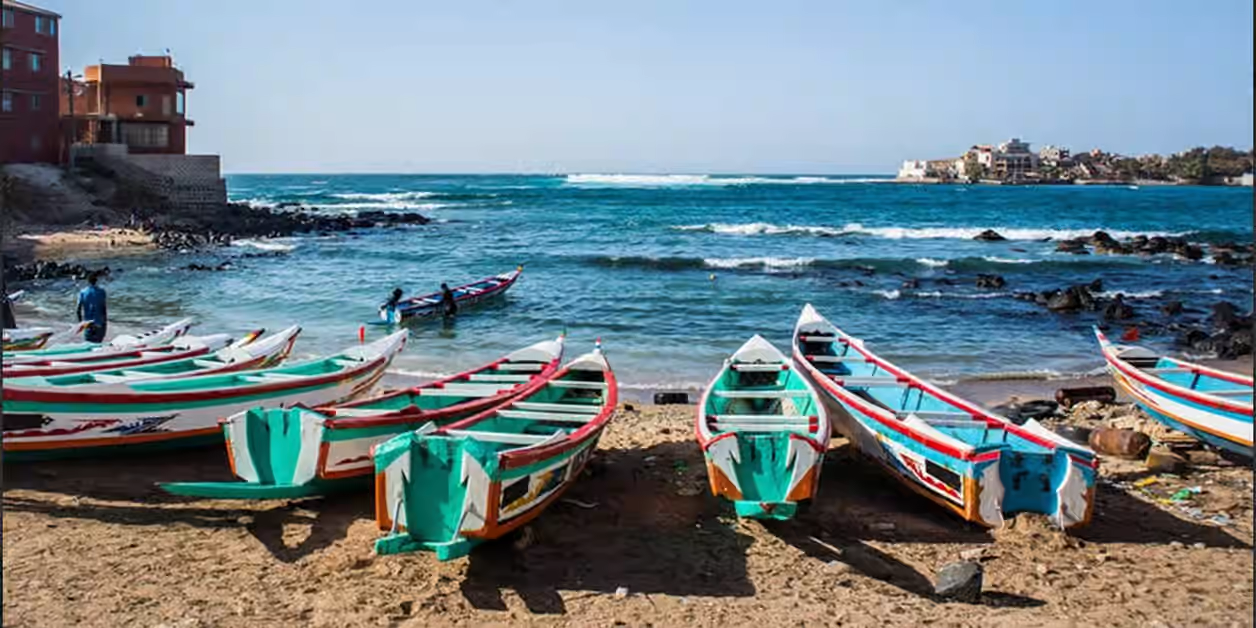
[{"x": 91, "y": 307}]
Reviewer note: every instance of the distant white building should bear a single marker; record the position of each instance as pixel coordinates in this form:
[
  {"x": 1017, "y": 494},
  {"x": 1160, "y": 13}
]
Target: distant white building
[
  {"x": 1053, "y": 155},
  {"x": 914, "y": 169},
  {"x": 1246, "y": 179}
]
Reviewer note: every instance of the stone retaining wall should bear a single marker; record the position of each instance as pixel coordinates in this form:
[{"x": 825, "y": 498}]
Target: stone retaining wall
[{"x": 191, "y": 181}]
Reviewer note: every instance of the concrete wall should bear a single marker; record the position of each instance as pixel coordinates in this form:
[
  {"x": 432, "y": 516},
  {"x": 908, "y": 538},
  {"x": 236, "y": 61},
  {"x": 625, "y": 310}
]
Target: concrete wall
[{"x": 183, "y": 180}]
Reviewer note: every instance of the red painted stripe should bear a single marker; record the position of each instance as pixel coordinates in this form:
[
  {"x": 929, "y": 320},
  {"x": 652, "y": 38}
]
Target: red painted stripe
[{"x": 1173, "y": 390}]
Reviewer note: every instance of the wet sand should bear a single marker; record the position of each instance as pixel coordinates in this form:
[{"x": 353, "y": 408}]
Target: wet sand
[{"x": 637, "y": 541}]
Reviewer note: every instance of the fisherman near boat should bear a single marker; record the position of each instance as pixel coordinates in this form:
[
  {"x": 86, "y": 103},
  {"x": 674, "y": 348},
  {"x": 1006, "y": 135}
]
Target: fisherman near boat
[
  {"x": 763, "y": 432},
  {"x": 44, "y": 421},
  {"x": 294, "y": 452},
  {"x": 447, "y": 488},
  {"x": 976, "y": 464},
  {"x": 429, "y": 305},
  {"x": 1211, "y": 405}
]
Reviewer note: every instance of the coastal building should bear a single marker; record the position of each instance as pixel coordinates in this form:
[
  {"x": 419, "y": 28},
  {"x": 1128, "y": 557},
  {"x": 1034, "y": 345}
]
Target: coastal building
[
  {"x": 28, "y": 87},
  {"x": 1053, "y": 155},
  {"x": 914, "y": 169},
  {"x": 1013, "y": 160},
  {"x": 141, "y": 104}
]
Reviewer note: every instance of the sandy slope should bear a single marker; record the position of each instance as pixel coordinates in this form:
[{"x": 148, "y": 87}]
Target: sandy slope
[{"x": 93, "y": 544}]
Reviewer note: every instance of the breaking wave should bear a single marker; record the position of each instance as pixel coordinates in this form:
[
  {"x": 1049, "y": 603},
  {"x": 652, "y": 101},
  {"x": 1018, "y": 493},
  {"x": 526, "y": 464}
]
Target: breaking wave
[
  {"x": 265, "y": 245},
  {"x": 684, "y": 180},
  {"x": 907, "y": 233}
]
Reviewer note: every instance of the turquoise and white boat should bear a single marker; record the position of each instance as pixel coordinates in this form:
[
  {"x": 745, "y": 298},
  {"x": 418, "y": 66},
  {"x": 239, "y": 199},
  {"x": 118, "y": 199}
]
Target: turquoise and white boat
[
  {"x": 763, "y": 432},
  {"x": 41, "y": 422},
  {"x": 445, "y": 489},
  {"x": 70, "y": 352},
  {"x": 295, "y": 452}
]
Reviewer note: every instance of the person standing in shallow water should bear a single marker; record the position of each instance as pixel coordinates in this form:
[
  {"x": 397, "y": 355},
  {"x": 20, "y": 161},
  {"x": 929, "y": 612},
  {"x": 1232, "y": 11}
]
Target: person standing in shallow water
[
  {"x": 449, "y": 308},
  {"x": 91, "y": 307}
]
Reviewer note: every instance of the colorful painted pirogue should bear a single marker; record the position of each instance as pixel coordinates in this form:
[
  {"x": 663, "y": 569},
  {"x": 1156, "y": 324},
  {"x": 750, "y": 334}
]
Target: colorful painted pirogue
[
  {"x": 1211, "y": 405},
  {"x": 445, "y": 489},
  {"x": 430, "y": 304},
  {"x": 284, "y": 453},
  {"x": 37, "y": 338},
  {"x": 180, "y": 350},
  {"x": 248, "y": 353},
  {"x": 763, "y": 431},
  {"x": 979, "y": 465},
  {"x": 90, "y": 351},
  {"x": 180, "y": 412}
]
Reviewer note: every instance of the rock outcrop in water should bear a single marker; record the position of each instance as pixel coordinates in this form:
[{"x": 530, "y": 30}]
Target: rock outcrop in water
[
  {"x": 1102, "y": 243},
  {"x": 237, "y": 220},
  {"x": 47, "y": 269}
]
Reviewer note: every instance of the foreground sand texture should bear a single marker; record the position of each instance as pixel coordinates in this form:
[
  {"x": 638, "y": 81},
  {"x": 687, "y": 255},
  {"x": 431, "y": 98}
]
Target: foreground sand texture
[{"x": 638, "y": 541}]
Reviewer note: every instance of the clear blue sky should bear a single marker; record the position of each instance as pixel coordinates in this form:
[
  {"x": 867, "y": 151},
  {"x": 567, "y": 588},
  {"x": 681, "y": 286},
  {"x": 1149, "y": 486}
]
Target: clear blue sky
[{"x": 671, "y": 86}]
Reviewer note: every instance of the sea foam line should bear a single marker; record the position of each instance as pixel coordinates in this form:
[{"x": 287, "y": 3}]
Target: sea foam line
[
  {"x": 766, "y": 262},
  {"x": 907, "y": 233},
  {"x": 265, "y": 245},
  {"x": 684, "y": 180}
]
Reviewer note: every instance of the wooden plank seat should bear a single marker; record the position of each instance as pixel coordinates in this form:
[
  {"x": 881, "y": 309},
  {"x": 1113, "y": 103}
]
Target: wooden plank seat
[
  {"x": 835, "y": 359},
  {"x": 778, "y": 418},
  {"x": 557, "y": 407},
  {"x": 818, "y": 338},
  {"x": 525, "y": 367},
  {"x": 269, "y": 378},
  {"x": 1166, "y": 371},
  {"x": 570, "y": 383},
  {"x": 106, "y": 378},
  {"x": 757, "y": 368},
  {"x": 869, "y": 381},
  {"x": 476, "y": 377},
  {"x": 758, "y": 394},
  {"x": 545, "y": 416},
  {"x": 932, "y": 414},
  {"x": 207, "y": 364},
  {"x": 462, "y": 390},
  {"x": 743, "y": 426},
  {"x": 501, "y": 437}
]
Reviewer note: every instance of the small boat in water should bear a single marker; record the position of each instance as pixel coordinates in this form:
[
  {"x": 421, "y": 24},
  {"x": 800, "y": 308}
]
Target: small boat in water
[
  {"x": 429, "y": 305},
  {"x": 295, "y": 452},
  {"x": 1211, "y": 405},
  {"x": 90, "y": 350},
  {"x": 444, "y": 489},
  {"x": 178, "y": 412},
  {"x": 245, "y": 354},
  {"x": 181, "y": 350},
  {"x": 977, "y": 464},
  {"x": 763, "y": 432}
]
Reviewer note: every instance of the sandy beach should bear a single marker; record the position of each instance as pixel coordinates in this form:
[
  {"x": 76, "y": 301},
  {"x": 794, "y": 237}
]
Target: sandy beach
[
  {"x": 79, "y": 244},
  {"x": 637, "y": 541}
]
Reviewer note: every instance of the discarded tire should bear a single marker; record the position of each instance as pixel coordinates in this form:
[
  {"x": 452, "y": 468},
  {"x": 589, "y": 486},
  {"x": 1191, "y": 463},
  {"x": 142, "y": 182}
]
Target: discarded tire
[
  {"x": 1069, "y": 396},
  {"x": 666, "y": 398},
  {"x": 1079, "y": 435}
]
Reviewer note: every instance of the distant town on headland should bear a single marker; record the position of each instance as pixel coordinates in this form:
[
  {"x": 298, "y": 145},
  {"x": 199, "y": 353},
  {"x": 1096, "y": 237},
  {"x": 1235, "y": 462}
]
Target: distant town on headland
[{"x": 1012, "y": 162}]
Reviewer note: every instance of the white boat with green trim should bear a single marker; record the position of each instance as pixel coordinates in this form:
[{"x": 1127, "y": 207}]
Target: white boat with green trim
[
  {"x": 90, "y": 350},
  {"x": 178, "y": 412},
  {"x": 444, "y": 489},
  {"x": 295, "y": 452},
  {"x": 763, "y": 432}
]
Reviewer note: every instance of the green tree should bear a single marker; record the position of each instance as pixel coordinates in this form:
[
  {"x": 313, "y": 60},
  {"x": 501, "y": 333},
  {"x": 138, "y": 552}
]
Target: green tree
[{"x": 973, "y": 169}]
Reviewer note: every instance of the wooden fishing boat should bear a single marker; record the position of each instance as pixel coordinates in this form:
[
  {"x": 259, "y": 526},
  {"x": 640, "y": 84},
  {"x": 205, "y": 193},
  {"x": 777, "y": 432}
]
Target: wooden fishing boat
[
  {"x": 445, "y": 489},
  {"x": 763, "y": 432},
  {"x": 178, "y": 412},
  {"x": 181, "y": 350},
  {"x": 91, "y": 350},
  {"x": 429, "y": 305},
  {"x": 1211, "y": 405},
  {"x": 295, "y": 452},
  {"x": 32, "y": 339},
  {"x": 976, "y": 464},
  {"x": 245, "y": 354}
]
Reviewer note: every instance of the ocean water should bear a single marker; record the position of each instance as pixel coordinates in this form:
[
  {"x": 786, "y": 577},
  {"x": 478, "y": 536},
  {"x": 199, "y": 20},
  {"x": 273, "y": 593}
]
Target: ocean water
[{"x": 674, "y": 272}]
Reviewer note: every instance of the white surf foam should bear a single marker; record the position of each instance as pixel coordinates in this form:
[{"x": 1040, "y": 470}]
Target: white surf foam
[
  {"x": 1130, "y": 294},
  {"x": 387, "y": 197},
  {"x": 681, "y": 180},
  {"x": 888, "y": 294},
  {"x": 909, "y": 233},
  {"x": 766, "y": 262},
  {"x": 265, "y": 245},
  {"x": 1007, "y": 260},
  {"x": 938, "y": 294},
  {"x": 932, "y": 263}
]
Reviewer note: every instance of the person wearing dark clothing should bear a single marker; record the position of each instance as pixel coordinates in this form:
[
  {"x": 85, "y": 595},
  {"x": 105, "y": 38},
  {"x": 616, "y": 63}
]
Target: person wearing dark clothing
[
  {"x": 91, "y": 307},
  {"x": 389, "y": 308},
  {"x": 10, "y": 321},
  {"x": 448, "y": 307}
]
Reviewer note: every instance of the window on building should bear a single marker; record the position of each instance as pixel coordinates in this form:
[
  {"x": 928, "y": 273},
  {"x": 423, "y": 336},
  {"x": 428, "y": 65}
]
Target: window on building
[
  {"x": 37, "y": 102},
  {"x": 146, "y": 135},
  {"x": 8, "y": 18},
  {"x": 52, "y": 26},
  {"x": 39, "y": 23},
  {"x": 179, "y": 103},
  {"x": 8, "y": 59},
  {"x": 141, "y": 101},
  {"x": 36, "y": 62},
  {"x": 6, "y": 102},
  {"x": 165, "y": 105}
]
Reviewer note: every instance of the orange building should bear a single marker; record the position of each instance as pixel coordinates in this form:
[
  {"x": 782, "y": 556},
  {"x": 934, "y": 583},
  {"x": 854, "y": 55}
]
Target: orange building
[{"x": 141, "y": 104}]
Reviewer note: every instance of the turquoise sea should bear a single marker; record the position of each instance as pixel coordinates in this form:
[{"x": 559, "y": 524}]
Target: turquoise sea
[{"x": 674, "y": 272}]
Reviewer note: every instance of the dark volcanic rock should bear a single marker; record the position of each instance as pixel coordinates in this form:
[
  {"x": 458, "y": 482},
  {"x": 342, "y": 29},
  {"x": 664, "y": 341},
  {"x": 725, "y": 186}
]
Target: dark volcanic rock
[
  {"x": 990, "y": 281},
  {"x": 1070, "y": 300},
  {"x": 989, "y": 235},
  {"x": 1118, "y": 309},
  {"x": 960, "y": 581},
  {"x": 1076, "y": 246},
  {"x": 1171, "y": 308},
  {"x": 46, "y": 269},
  {"x": 910, "y": 284}
]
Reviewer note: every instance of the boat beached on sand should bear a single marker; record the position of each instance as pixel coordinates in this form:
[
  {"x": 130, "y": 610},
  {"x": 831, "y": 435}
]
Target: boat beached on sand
[
  {"x": 429, "y": 305},
  {"x": 763, "y": 432},
  {"x": 178, "y": 412},
  {"x": 245, "y": 354},
  {"x": 1211, "y": 405},
  {"x": 447, "y": 488},
  {"x": 181, "y": 349},
  {"x": 976, "y": 464},
  {"x": 91, "y": 350},
  {"x": 295, "y": 452},
  {"x": 26, "y": 339}
]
